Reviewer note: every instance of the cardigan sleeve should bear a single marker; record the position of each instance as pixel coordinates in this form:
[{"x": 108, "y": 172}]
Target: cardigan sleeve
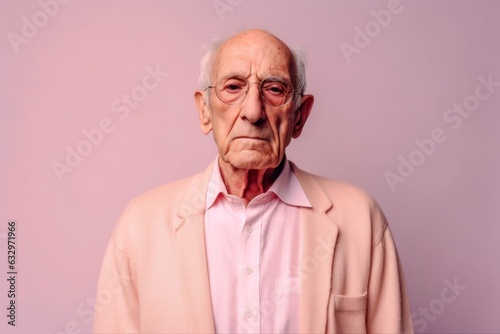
[
  {"x": 116, "y": 307},
  {"x": 388, "y": 309}
]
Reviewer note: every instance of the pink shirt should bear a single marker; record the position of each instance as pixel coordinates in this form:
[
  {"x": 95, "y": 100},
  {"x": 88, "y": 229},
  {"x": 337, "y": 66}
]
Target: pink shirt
[{"x": 252, "y": 255}]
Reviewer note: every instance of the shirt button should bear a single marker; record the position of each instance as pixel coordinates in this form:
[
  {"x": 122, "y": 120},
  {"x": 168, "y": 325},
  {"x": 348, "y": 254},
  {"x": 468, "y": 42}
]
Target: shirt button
[
  {"x": 249, "y": 313},
  {"x": 249, "y": 229},
  {"x": 249, "y": 270}
]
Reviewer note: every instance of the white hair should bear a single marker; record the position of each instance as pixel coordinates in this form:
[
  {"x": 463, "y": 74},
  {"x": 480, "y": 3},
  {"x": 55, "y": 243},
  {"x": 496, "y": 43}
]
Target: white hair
[{"x": 208, "y": 61}]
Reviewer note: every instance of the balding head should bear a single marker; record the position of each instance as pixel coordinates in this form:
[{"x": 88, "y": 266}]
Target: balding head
[{"x": 252, "y": 39}]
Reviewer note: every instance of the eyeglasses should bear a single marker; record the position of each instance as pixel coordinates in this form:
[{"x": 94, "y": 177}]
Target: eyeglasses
[{"x": 275, "y": 92}]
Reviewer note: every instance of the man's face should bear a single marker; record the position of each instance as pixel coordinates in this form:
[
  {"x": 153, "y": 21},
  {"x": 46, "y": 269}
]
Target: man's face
[{"x": 252, "y": 134}]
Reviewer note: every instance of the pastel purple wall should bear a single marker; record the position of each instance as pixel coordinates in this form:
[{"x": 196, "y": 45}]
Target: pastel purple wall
[{"x": 389, "y": 79}]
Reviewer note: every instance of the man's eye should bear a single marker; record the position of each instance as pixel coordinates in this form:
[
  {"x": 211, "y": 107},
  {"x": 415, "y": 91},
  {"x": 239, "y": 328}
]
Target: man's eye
[
  {"x": 233, "y": 87},
  {"x": 275, "y": 88}
]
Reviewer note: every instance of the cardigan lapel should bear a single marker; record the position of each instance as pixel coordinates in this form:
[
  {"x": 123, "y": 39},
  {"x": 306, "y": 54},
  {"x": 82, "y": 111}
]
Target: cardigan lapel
[
  {"x": 189, "y": 243},
  {"x": 318, "y": 238}
]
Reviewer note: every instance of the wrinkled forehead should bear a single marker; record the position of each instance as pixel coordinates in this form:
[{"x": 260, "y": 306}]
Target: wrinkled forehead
[{"x": 254, "y": 54}]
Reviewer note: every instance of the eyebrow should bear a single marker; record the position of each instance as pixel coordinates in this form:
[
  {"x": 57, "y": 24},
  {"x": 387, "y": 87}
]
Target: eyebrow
[
  {"x": 271, "y": 77},
  {"x": 232, "y": 75},
  {"x": 278, "y": 78}
]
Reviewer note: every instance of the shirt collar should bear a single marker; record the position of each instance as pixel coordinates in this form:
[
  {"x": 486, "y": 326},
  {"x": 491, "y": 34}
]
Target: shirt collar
[{"x": 286, "y": 187}]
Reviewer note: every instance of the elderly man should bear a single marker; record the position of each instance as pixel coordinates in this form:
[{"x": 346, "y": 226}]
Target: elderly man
[{"x": 253, "y": 244}]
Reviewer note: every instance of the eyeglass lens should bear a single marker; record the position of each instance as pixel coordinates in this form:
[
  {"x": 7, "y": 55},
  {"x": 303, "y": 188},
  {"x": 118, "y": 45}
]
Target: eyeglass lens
[{"x": 234, "y": 89}]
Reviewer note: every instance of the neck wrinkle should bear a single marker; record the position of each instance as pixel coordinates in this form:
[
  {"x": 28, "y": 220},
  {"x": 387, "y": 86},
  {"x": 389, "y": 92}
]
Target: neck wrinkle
[{"x": 248, "y": 183}]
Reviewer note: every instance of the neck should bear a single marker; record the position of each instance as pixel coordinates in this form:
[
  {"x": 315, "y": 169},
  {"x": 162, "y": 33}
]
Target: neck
[{"x": 248, "y": 183}]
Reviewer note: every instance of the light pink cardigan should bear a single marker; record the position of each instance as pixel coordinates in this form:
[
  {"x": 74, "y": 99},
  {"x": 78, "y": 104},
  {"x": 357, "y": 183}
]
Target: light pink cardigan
[{"x": 154, "y": 276}]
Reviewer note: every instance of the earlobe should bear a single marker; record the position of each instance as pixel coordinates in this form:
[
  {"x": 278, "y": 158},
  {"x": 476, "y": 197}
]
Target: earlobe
[
  {"x": 303, "y": 112},
  {"x": 203, "y": 112}
]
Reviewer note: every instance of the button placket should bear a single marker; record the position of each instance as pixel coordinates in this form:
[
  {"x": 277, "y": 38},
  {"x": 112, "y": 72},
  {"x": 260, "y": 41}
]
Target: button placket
[{"x": 250, "y": 268}]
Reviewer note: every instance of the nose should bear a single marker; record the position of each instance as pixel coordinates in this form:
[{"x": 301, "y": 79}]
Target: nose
[{"x": 253, "y": 107}]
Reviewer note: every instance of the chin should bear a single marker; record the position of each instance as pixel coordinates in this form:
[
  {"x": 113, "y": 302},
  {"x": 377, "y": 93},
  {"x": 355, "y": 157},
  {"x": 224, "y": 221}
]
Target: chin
[{"x": 253, "y": 160}]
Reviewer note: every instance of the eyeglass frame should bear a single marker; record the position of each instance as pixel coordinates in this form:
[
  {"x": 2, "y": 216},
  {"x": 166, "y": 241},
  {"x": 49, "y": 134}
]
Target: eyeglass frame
[{"x": 282, "y": 81}]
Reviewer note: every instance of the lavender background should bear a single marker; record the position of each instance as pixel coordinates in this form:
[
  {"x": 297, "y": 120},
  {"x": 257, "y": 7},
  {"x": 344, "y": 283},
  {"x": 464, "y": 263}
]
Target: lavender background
[{"x": 66, "y": 75}]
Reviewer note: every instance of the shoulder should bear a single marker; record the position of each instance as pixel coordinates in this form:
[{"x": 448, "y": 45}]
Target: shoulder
[
  {"x": 343, "y": 191},
  {"x": 352, "y": 208},
  {"x": 339, "y": 192},
  {"x": 171, "y": 194},
  {"x": 158, "y": 198},
  {"x": 156, "y": 210}
]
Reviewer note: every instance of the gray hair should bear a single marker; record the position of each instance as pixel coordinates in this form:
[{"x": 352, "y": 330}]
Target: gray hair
[{"x": 208, "y": 61}]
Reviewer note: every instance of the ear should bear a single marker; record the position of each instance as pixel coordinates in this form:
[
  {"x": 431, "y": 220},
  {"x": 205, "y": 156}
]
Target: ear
[
  {"x": 203, "y": 112},
  {"x": 302, "y": 113}
]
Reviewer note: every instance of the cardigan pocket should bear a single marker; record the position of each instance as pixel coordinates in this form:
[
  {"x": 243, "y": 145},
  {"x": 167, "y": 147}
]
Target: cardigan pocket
[{"x": 350, "y": 313}]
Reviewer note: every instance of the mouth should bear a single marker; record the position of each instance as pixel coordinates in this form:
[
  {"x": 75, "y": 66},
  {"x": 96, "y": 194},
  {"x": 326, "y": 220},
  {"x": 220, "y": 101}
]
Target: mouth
[{"x": 252, "y": 138}]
